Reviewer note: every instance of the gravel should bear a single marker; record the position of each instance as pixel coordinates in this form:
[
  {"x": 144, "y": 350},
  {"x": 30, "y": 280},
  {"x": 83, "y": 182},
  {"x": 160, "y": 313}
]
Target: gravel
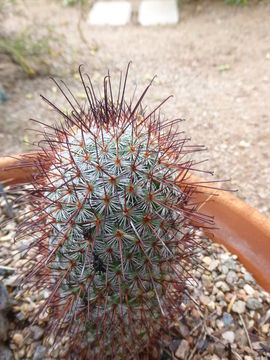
[
  {"x": 219, "y": 318},
  {"x": 215, "y": 62}
]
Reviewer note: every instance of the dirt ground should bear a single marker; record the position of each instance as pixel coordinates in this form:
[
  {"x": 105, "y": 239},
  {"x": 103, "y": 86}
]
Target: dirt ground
[{"x": 216, "y": 63}]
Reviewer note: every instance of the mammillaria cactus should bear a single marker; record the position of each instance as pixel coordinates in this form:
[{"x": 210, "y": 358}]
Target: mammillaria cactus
[{"x": 112, "y": 239}]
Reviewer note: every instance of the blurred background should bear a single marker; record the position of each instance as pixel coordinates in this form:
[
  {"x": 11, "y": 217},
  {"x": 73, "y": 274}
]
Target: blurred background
[{"x": 212, "y": 55}]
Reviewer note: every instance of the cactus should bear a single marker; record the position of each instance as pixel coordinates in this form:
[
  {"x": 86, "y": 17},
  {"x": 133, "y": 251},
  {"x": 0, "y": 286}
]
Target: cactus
[{"x": 110, "y": 225}]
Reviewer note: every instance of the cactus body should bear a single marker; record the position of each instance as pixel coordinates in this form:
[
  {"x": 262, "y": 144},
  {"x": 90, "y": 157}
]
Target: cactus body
[{"x": 111, "y": 226}]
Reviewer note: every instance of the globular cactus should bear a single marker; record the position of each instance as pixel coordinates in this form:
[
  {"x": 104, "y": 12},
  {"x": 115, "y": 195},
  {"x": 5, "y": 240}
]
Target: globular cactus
[{"x": 111, "y": 224}]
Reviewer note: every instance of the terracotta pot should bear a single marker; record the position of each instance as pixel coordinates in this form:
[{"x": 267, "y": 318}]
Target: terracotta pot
[{"x": 240, "y": 227}]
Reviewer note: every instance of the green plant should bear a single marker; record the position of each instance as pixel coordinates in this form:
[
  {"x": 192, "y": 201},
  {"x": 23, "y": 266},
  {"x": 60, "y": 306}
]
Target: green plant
[
  {"x": 111, "y": 224},
  {"x": 75, "y": 2},
  {"x": 236, "y": 2},
  {"x": 3, "y": 3},
  {"x": 24, "y": 47}
]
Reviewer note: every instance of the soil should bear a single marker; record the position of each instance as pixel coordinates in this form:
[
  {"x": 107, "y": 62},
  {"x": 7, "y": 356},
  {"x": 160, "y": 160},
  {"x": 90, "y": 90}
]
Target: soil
[{"x": 216, "y": 63}]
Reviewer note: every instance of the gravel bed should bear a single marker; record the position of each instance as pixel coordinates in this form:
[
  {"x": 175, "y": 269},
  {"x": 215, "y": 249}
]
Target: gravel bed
[{"x": 226, "y": 316}]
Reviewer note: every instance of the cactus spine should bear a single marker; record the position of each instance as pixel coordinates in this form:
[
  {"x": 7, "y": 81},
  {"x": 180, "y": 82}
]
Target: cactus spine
[{"x": 111, "y": 224}]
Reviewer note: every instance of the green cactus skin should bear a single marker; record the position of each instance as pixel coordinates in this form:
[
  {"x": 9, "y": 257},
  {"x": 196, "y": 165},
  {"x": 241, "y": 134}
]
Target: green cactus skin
[{"x": 111, "y": 225}]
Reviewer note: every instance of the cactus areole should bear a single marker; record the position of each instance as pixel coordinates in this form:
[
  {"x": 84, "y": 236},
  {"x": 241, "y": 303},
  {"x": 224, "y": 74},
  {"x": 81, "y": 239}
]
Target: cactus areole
[{"x": 110, "y": 224}]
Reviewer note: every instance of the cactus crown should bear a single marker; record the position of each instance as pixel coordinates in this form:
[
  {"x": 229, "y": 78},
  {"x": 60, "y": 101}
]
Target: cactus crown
[{"x": 111, "y": 224}]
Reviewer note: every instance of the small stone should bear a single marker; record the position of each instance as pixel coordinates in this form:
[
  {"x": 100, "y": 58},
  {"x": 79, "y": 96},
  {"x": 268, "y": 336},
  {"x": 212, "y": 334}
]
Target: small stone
[
  {"x": 211, "y": 306},
  {"x": 18, "y": 339},
  {"x": 220, "y": 296},
  {"x": 21, "y": 353},
  {"x": 249, "y": 278},
  {"x": 12, "y": 281},
  {"x": 248, "y": 289},
  {"x": 4, "y": 298},
  {"x": 244, "y": 144},
  {"x": 227, "y": 319},
  {"x": 37, "y": 332},
  {"x": 5, "y": 353},
  {"x": 219, "y": 324},
  {"x": 213, "y": 265},
  {"x": 254, "y": 304},
  {"x": 40, "y": 352},
  {"x": 214, "y": 357},
  {"x": 265, "y": 328},
  {"x": 204, "y": 300},
  {"x": 183, "y": 329},
  {"x": 4, "y": 326},
  {"x": 20, "y": 316},
  {"x": 207, "y": 260},
  {"x": 224, "y": 257},
  {"x": 250, "y": 324},
  {"x": 240, "y": 337},
  {"x": 231, "y": 277},
  {"x": 239, "y": 307},
  {"x": 195, "y": 313},
  {"x": 231, "y": 264},
  {"x": 219, "y": 310},
  {"x": 182, "y": 350},
  {"x": 242, "y": 295},
  {"x": 224, "y": 269},
  {"x": 228, "y": 336},
  {"x": 206, "y": 281},
  {"x": 219, "y": 349},
  {"x": 265, "y": 317},
  {"x": 223, "y": 286}
]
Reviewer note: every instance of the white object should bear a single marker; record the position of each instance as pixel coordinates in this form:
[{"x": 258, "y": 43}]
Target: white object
[
  {"x": 115, "y": 13},
  {"x": 158, "y": 12}
]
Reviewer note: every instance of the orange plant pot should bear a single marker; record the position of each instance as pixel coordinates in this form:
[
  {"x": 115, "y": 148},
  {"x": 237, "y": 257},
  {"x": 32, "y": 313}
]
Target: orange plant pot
[{"x": 241, "y": 228}]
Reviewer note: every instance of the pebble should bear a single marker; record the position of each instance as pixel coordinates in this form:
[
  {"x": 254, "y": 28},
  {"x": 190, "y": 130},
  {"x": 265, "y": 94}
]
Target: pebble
[
  {"x": 213, "y": 265},
  {"x": 18, "y": 339},
  {"x": 240, "y": 337},
  {"x": 228, "y": 336},
  {"x": 220, "y": 296},
  {"x": 242, "y": 295},
  {"x": 206, "y": 281},
  {"x": 223, "y": 286},
  {"x": 182, "y": 350},
  {"x": 231, "y": 277},
  {"x": 211, "y": 305},
  {"x": 219, "y": 349},
  {"x": 249, "y": 278},
  {"x": 248, "y": 289},
  {"x": 4, "y": 298},
  {"x": 204, "y": 300},
  {"x": 224, "y": 269},
  {"x": 265, "y": 328},
  {"x": 183, "y": 329},
  {"x": 37, "y": 332},
  {"x": 220, "y": 324},
  {"x": 4, "y": 327},
  {"x": 5, "y": 353},
  {"x": 239, "y": 307},
  {"x": 231, "y": 264},
  {"x": 214, "y": 357},
  {"x": 39, "y": 352},
  {"x": 254, "y": 304},
  {"x": 12, "y": 281},
  {"x": 207, "y": 260},
  {"x": 227, "y": 319}
]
